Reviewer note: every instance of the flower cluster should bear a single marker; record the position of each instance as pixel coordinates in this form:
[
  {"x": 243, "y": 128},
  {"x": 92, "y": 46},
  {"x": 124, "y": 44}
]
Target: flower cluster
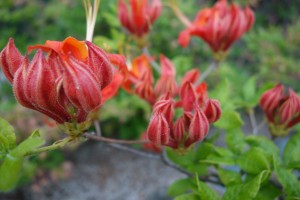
[
  {"x": 191, "y": 127},
  {"x": 282, "y": 110},
  {"x": 64, "y": 80},
  {"x": 219, "y": 26},
  {"x": 140, "y": 79}
]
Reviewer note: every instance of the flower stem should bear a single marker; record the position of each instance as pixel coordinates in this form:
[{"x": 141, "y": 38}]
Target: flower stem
[
  {"x": 154, "y": 64},
  {"x": 173, "y": 5},
  {"x": 55, "y": 145},
  {"x": 252, "y": 120},
  {"x": 213, "y": 65}
]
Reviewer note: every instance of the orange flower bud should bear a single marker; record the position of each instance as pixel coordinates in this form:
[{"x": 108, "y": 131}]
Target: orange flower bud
[
  {"x": 140, "y": 16},
  {"x": 219, "y": 26}
]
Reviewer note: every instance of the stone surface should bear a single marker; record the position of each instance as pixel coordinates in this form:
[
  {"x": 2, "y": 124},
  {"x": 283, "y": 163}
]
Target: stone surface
[{"x": 103, "y": 172}]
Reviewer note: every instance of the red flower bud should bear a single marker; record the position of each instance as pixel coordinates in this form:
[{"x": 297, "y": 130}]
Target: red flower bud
[
  {"x": 201, "y": 91},
  {"x": 212, "y": 110},
  {"x": 290, "y": 108},
  {"x": 178, "y": 132},
  {"x": 219, "y": 26},
  {"x": 158, "y": 130},
  {"x": 81, "y": 85},
  {"x": 198, "y": 128},
  {"x": 150, "y": 146},
  {"x": 139, "y": 18},
  {"x": 10, "y": 60},
  {"x": 166, "y": 107},
  {"x": 191, "y": 76},
  {"x": 166, "y": 83},
  {"x": 270, "y": 101},
  {"x": 35, "y": 87},
  {"x": 188, "y": 96},
  {"x": 145, "y": 90},
  {"x": 99, "y": 62},
  {"x": 65, "y": 84}
]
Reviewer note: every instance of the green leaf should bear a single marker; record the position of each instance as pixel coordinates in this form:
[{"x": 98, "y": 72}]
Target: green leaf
[
  {"x": 181, "y": 160},
  {"x": 254, "y": 161},
  {"x": 181, "y": 186},
  {"x": 249, "y": 89},
  {"x": 7, "y": 136},
  {"x": 10, "y": 172},
  {"x": 188, "y": 197},
  {"x": 288, "y": 180},
  {"x": 27, "y": 145},
  {"x": 229, "y": 120},
  {"x": 291, "y": 152},
  {"x": 219, "y": 156},
  {"x": 268, "y": 192},
  {"x": 235, "y": 140},
  {"x": 206, "y": 192},
  {"x": 246, "y": 191},
  {"x": 229, "y": 177},
  {"x": 262, "y": 143}
]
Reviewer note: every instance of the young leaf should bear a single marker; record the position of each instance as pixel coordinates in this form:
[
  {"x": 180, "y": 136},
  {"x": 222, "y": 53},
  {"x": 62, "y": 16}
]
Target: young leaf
[
  {"x": 291, "y": 152},
  {"x": 249, "y": 89},
  {"x": 235, "y": 140},
  {"x": 268, "y": 192},
  {"x": 248, "y": 190},
  {"x": 181, "y": 186},
  {"x": 206, "y": 192},
  {"x": 7, "y": 136},
  {"x": 229, "y": 177},
  {"x": 187, "y": 197},
  {"x": 254, "y": 161},
  {"x": 262, "y": 143},
  {"x": 229, "y": 120},
  {"x": 288, "y": 180},
  {"x": 32, "y": 142},
  {"x": 10, "y": 172}
]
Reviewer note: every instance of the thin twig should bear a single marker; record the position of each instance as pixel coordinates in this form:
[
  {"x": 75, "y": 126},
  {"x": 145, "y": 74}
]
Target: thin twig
[
  {"x": 98, "y": 128},
  {"x": 213, "y": 65},
  {"x": 253, "y": 120},
  {"x": 179, "y": 14},
  {"x": 154, "y": 64},
  {"x": 134, "y": 151},
  {"x": 111, "y": 140},
  {"x": 261, "y": 124}
]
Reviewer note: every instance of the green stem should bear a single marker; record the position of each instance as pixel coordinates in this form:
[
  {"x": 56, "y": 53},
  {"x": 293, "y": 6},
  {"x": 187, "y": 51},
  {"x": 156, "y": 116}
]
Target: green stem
[
  {"x": 55, "y": 145},
  {"x": 213, "y": 65}
]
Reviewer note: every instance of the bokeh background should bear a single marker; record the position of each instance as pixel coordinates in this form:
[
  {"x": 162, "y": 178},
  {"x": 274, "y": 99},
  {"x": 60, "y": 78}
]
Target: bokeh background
[{"x": 270, "y": 52}]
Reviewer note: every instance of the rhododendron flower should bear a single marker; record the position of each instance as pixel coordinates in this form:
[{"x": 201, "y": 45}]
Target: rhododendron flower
[
  {"x": 141, "y": 82},
  {"x": 64, "y": 80},
  {"x": 219, "y": 26},
  {"x": 191, "y": 127},
  {"x": 282, "y": 110},
  {"x": 137, "y": 16}
]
